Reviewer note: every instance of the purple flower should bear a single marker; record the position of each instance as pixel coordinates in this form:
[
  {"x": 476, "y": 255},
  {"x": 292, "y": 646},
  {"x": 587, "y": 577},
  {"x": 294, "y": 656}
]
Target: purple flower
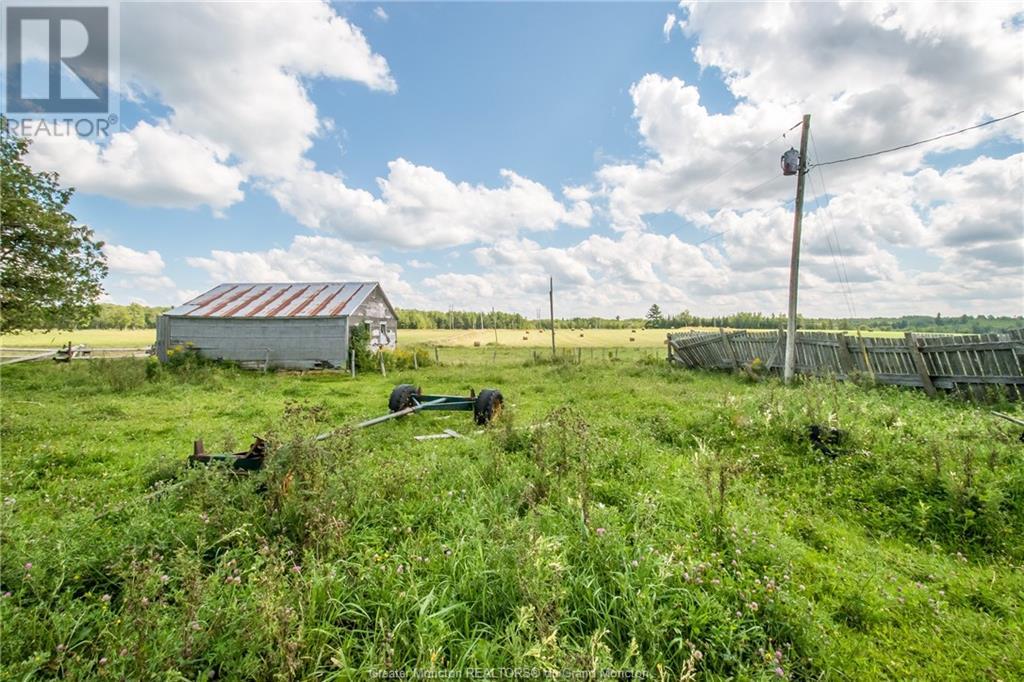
[
  {"x": 28, "y": 566},
  {"x": 297, "y": 569},
  {"x": 780, "y": 672}
]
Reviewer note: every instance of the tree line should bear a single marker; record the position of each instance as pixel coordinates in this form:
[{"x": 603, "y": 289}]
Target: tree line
[
  {"x": 962, "y": 324},
  {"x": 136, "y": 316}
]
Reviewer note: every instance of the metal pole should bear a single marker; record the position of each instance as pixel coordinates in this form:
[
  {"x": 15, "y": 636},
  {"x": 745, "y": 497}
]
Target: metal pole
[
  {"x": 794, "y": 260},
  {"x": 353, "y": 362},
  {"x": 551, "y": 302}
]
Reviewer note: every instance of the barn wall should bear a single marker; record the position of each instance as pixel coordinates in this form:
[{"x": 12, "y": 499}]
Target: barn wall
[
  {"x": 375, "y": 310},
  {"x": 292, "y": 343}
]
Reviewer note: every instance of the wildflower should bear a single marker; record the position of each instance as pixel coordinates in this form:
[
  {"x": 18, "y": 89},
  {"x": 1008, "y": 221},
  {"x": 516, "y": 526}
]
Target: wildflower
[
  {"x": 600, "y": 531},
  {"x": 635, "y": 563},
  {"x": 28, "y": 566},
  {"x": 697, "y": 655},
  {"x": 400, "y": 568},
  {"x": 60, "y": 647},
  {"x": 296, "y": 569},
  {"x": 9, "y": 501},
  {"x": 7, "y": 594},
  {"x": 780, "y": 672},
  {"x": 196, "y": 626},
  {"x": 778, "y": 655},
  {"x": 145, "y": 601},
  {"x": 103, "y": 661},
  {"x": 105, "y": 599},
  {"x": 165, "y": 578},
  {"x": 752, "y": 606}
]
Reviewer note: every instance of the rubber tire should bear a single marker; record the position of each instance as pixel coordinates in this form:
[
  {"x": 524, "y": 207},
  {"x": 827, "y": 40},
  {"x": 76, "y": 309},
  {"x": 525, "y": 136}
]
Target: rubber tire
[
  {"x": 401, "y": 397},
  {"x": 488, "y": 406}
]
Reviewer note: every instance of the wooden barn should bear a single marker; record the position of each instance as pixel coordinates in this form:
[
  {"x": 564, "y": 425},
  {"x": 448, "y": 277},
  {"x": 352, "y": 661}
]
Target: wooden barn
[{"x": 295, "y": 326}]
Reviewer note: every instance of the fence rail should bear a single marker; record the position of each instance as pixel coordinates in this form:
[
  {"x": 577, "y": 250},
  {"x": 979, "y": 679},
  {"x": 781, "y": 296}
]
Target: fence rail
[{"x": 967, "y": 364}]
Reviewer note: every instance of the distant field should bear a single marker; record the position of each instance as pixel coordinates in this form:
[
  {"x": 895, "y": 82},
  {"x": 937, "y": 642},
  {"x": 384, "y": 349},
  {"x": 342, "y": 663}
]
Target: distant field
[
  {"x": 96, "y": 338},
  {"x": 515, "y": 338},
  {"x": 533, "y": 338}
]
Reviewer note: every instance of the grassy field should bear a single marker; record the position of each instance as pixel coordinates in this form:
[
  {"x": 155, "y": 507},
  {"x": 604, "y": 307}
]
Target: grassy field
[
  {"x": 620, "y": 516},
  {"x": 95, "y": 338},
  {"x": 512, "y": 338}
]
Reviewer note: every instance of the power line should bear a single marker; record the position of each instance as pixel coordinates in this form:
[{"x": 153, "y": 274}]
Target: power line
[
  {"x": 843, "y": 287},
  {"x": 919, "y": 142},
  {"x": 844, "y": 277},
  {"x": 745, "y": 158}
]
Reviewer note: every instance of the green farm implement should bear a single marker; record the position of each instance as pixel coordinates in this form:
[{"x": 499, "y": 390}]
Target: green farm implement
[{"x": 405, "y": 400}]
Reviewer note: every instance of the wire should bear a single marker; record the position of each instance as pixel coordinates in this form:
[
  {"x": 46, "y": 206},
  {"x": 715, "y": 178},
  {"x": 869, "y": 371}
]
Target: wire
[
  {"x": 828, "y": 241},
  {"x": 914, "y": 144},
  {"x": 763, "y": 184},
  {"x": 742, "y": 160},
  {"x": 845, "y": 277}
]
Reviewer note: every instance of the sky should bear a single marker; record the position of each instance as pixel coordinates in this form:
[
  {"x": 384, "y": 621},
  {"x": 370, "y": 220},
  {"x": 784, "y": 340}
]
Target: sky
[{"x": 463, "y": 153}]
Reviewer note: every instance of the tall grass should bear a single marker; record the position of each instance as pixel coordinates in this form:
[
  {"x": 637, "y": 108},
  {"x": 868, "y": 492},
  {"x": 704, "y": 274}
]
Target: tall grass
[{"x": 619, "y": 516}]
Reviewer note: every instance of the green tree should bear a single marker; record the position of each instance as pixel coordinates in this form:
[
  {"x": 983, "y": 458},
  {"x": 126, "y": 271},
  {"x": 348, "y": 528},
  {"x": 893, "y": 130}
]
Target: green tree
[
  {"x": 654, "y": 316},
  {"x": 51, "y": 269}
]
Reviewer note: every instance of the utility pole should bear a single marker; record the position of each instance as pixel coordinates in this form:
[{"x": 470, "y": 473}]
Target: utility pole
[
  {"x": 551, "y": 301},
  {"x": 794, "y": 260}
]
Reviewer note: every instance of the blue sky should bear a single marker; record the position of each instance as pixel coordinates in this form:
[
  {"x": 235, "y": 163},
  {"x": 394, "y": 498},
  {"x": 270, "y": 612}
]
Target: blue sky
[{"x": 615, "y": 121}]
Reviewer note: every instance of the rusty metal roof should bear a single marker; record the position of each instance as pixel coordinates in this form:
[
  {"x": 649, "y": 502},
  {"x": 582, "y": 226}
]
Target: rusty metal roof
[{"x": 261, "y": 300}]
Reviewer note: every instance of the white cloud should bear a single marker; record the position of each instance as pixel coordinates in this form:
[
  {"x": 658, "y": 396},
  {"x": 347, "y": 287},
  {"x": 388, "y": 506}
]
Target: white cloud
[
  {"x": 132, "y": 272},
  {"x": 666, "y": 29},
  {"x": 380, "y": 13},
  {"x": 149, "y": 165},
  {"x": 231, "y": 76},
  {"x": 872, "y": 76},
  {"x": 307, "y": 259},
  {"x": 125, "y": 260},
  {"x": 419, "y": 206}
]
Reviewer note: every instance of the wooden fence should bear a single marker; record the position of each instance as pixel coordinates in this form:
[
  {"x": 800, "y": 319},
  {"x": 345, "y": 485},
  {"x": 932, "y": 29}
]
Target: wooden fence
[{"x": 970, "y": 365}]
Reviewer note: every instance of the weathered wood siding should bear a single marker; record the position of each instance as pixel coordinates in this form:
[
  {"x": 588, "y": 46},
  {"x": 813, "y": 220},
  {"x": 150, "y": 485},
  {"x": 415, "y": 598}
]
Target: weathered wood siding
[
  {"x": 294, "y": 343},
  {"x": 375, "y": 310},
  {"x": 970, "y": 365}
]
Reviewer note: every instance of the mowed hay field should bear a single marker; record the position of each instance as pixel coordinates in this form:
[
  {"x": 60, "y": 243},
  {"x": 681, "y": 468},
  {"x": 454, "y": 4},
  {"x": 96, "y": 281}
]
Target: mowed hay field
[
  {"x": 620, "y": 516},
  {"x": 512, "y": 338},
  {"x": 591, "y": 338}
]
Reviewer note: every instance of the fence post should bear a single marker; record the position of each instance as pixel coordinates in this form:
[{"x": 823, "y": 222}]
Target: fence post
[
  {"x": 437, "y": 359},
  {"x": 845, "y": 359},
  {"x": 864, "y": 352},
  {"x": 352, "y": 362},
  {"x": 380, "y": 356},
  {"x": 728, "y": 349},
  {"x": 415, "y": 360},
  {"x": 919, "y": 363}
]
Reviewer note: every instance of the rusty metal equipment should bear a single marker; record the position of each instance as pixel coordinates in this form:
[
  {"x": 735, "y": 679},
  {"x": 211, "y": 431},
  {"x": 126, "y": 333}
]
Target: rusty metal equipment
[{"x": 250, "y": 460}]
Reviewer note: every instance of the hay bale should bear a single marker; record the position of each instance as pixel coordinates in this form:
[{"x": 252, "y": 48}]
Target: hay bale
[
  {"x": 632, "y": 339},
  {"x": 476, "y": 344}
]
